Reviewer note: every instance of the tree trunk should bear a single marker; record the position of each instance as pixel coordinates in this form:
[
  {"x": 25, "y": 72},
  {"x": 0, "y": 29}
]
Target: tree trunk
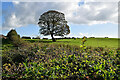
[{"x": 53, "y": 39}]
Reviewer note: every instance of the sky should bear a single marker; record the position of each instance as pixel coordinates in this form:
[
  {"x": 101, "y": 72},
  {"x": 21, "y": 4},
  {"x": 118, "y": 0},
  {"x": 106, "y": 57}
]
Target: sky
[{"x": 91, "y": 19}]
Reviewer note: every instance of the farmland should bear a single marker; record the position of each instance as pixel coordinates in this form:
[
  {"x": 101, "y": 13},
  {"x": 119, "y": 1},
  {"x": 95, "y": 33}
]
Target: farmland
[
  {"x": 64, "y": 59},
  {"x": 91, "y": 42}
]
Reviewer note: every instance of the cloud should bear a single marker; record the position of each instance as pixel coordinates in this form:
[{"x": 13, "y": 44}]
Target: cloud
[
  {"x": 26, "y": 13},
  {"x": 98, "y": 35},
  {"x": 95, "y": 13},
  {"x": 62, "y": 0},
  {"x": 84, "y": 34},
  {"x": 16, "y": 2},
  {"x": 81, "y": 34}
]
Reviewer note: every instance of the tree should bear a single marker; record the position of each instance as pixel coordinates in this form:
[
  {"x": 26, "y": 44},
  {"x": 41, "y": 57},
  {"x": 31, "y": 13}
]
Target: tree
[
  {"x": 13, "y": 36},
  {"x": 53, "y": 23}
]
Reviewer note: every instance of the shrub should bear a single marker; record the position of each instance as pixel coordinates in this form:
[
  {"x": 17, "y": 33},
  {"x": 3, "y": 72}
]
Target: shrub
[
  {"x": 18, "y": 58},
  {"x": 15, "y": 39},
  {"x": 84, "y": 40},
  {"x": 12, "y": 35},
  {"x": 5, "y": 59},
  {"x": 20, "y": 43}
]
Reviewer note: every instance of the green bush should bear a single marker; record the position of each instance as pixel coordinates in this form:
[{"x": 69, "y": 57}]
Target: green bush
[
  {"x": 12, "y": 35},
  {"x": 15, "y": 39},
  {"x": 20, "y": 43},
  {"x": 5, "y": 59}
]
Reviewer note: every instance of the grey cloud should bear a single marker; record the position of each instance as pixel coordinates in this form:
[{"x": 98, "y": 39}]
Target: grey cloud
[{"x": 95, "y": 12}]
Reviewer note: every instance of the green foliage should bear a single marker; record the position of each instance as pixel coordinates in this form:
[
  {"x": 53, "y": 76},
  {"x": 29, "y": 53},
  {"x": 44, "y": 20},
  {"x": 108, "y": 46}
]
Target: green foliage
[
  {"x": 83, "y": 40},
  {"x": 20, "y": 43},
  {"x": 53, "y": 23},
  {"x": 13, "y": 36},
  {"x": 57, "y": 61}
]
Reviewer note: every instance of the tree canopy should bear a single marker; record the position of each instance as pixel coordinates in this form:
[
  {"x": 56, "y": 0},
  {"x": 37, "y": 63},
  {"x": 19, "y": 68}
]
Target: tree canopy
[
  {"x": 12, "y": 35},
  {"x": 53, "y": 23}
]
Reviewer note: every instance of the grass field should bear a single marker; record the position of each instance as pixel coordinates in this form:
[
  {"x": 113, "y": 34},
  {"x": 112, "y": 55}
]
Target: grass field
[
  {"x": 91, "y": 42},
  {"x": 47, "y": 60},
  {"x": 64, "y": 59}
]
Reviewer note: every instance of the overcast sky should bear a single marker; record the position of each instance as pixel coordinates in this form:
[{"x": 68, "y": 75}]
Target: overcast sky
[{"x": 91, "y": 19}]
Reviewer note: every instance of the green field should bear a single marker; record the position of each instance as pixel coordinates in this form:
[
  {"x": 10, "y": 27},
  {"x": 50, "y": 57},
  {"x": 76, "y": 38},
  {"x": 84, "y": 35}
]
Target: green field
[
  {"x": 91, "y": 42},
  {"x": 64, "y": 59}
]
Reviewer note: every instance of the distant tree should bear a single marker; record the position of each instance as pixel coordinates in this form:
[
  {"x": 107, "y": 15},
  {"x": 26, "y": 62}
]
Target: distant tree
[
  {"x": 25, "y": 37},
  {"x": 53, "y": 23},
  {"x": 38, "y": 37}
]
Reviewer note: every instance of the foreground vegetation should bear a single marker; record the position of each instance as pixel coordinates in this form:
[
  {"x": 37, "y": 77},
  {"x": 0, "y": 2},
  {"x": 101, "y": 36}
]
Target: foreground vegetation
[{"x": 62, "y": 61}]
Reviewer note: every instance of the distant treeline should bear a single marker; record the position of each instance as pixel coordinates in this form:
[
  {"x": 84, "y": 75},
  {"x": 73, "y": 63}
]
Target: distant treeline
[
  {"x": 25, "y": 37},
  {"x": 56, "y": 38}
]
